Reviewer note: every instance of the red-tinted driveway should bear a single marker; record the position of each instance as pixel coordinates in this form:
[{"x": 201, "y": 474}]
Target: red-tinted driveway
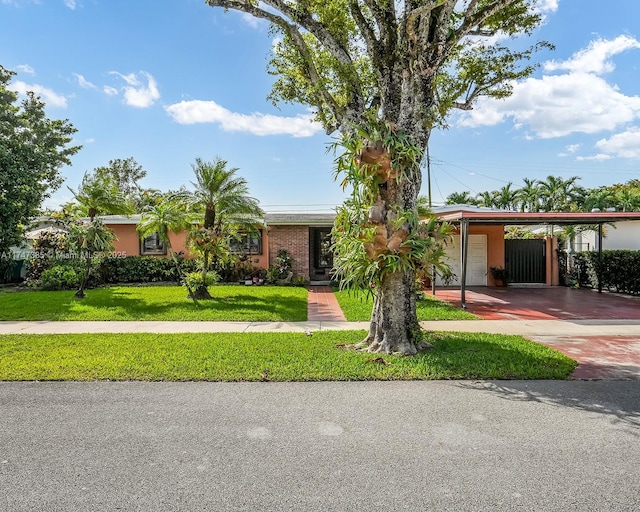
[
  {"x": 554, "y": 303},
  {"x": 599, "y": 357}
]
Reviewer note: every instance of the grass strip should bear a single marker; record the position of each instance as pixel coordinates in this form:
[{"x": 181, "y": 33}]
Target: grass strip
[
  {"x": 229, "y": 303},
  {"x": 269, "y": 356},
  {"x": 357, "y": 307}
]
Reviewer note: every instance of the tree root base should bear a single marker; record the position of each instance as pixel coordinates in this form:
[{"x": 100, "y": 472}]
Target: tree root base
[
  {"x": 378, "y": 348},
  {"x": 200, "y": 294}
]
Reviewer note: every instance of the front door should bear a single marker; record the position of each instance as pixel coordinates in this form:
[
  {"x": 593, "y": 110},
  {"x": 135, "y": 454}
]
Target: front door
[{"x": 321, "y": 256}]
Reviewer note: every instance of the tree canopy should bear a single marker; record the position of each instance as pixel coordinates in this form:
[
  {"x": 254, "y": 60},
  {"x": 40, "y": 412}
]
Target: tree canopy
[
  {"x": 33, "y": 148},
  {"x": 385, "y": 73}
]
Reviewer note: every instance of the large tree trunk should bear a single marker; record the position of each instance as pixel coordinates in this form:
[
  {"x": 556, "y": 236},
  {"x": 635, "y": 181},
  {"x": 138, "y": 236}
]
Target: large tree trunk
[{"x": 394, "y": 324}]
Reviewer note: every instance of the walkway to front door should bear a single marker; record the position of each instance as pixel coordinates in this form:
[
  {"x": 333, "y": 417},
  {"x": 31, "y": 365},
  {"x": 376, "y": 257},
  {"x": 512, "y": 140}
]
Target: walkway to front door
[{"x": 322, "y": 305}]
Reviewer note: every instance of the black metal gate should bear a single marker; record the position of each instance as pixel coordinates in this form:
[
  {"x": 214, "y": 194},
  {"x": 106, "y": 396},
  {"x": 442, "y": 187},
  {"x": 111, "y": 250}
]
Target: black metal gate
[{"x": 525, "y": 260}]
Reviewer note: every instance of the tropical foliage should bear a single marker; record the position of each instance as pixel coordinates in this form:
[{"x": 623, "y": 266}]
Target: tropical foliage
[
  {"x": 163, "y": 218},
  {"x": 223, "y": 210},
  {"x": 91, "y": 240},
  {"x": 555, "y": 194},
  {"x": 33, "y": 148}
]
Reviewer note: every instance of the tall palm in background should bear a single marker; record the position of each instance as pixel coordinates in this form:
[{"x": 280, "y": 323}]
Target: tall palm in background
[
  {"x": 600, "y": 198},
  {"x": 460, "y": 198},
  {"x": 486, "y": 199},
  {"x": 506, "y": 198},
  {"x": 560, "y": 195},
  {"x": 221, "y": 198},
  {"x": 628, "y": 199},
  {"x": 529, "y": 196}
]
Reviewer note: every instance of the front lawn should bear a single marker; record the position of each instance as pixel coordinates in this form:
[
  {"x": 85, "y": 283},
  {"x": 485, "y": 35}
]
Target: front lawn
[
  {"x": 357, "y": 306},
  {"x": 269, "y": 356},
  {"x": 230, "y": 303}
]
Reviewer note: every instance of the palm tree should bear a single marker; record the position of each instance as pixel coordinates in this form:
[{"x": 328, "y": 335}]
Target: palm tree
[
  {"x": 100, "y": 195},
  {"x": 460, "y": 198},
  {"x": 486, "y": 199},
  {"x": 559, "y": 195},
  {"x": 167, "y": 216},
  {"x": 599, "y": 198},
  {"x": 628, "y": 200},
  {"x": 227, "y": 207},
  {"x": 529, "y": 196},
  {"x": 96, "y": 195},
  {"x": 506, "y": 198}
]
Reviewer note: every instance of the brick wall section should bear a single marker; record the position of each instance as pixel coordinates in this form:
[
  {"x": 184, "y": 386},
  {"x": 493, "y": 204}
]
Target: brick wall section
[{"x": 294, "y": 239}]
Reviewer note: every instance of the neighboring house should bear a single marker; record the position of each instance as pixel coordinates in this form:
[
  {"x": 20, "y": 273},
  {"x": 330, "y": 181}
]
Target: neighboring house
[{"x": 624, "y": 235}]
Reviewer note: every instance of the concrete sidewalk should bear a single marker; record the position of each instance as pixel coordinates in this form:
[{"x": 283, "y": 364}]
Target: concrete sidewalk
[{"x": 536, "y": 328}]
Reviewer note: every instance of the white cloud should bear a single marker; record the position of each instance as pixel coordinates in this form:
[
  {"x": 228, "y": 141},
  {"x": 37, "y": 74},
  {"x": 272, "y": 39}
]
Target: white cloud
[
  {"x": 622, "y": 145},
  {"x": 136, "y": 93},
  {"x": 572, "y": 148},
  {"x": 192, "y": 112},
  {"x": 250, "y": 20},
  {"x": 557, "y": 105},
  {"x": 596, "y": 58},
  {"x": 599, "y": 157},
  {"x": 547, "y": 6},
  {"x": 25, "y": 68},
  {"x": 49, "y": 97},
  {"x": 110, "y": 91},
  {"x": 71, "y": 4},
  {"x": 84, "y": 83}
]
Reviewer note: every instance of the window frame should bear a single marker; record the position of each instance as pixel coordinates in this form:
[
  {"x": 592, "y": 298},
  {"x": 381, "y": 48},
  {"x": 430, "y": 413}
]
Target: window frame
[
  {"x": 244, "y": 244},
  {"x": 161, "y": 247}
]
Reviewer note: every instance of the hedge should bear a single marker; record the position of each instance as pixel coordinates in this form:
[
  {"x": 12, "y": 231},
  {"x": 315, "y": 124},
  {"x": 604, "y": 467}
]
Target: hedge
[
  {"x": 141, "y": 269},
  {"x": 619, "y": 270}
]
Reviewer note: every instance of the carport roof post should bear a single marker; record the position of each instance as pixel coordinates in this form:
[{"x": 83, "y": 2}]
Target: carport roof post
[{"x": 464, "y": 235}]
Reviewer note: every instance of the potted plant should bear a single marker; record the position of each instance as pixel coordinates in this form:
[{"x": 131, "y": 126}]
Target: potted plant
[{"x": 500, "y": 276}]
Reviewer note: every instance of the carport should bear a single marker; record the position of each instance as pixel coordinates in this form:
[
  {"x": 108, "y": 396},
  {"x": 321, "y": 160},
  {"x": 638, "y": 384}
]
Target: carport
[{"x": 465, "y": 218}]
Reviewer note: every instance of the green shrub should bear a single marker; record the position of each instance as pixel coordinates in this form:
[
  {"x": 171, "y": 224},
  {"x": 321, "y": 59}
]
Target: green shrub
[
  {"x": 619, "y": 270},
  {"x": 142, "y": 269},
  {"x": 193, "y": 280},
  {"x": 299, "y": 281},
  {"x": 59, "y": 277}
]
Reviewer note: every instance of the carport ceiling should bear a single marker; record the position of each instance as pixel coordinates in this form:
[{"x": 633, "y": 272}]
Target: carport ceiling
[{"x": 521, "y": 218}]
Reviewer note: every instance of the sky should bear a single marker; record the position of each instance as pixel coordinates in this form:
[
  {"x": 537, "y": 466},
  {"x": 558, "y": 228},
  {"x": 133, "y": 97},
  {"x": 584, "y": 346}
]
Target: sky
[{"x": 169, "y": 81}]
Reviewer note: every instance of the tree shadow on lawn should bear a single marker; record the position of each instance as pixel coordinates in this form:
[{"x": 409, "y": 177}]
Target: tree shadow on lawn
[
  {"x": 130, "y": 303},
  {"x": 617, "y": 400},
  {"x": 234, "y": 307}
]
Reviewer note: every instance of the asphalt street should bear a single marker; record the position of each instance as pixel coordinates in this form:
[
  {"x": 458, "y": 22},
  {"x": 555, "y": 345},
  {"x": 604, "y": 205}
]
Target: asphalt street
[{"x": 334, "y": 446}]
